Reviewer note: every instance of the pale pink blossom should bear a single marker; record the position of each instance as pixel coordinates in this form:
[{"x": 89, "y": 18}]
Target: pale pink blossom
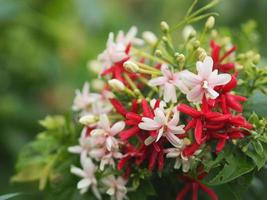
[
  {"x": 116, "y": 187},
  {"x": 116, "y": 48},
  {"x": 84, "y": 98},
  {"x": 164, "y": 126},
  {"x": 89, "y": 145},
  {"x": 181, "y": 161},
  {"x": 204, "y": 82},
  {"x": 109, "y": 159},
  {"x": 168, "y": 83},
  {"x": 87, "y": 173},
  {"x": 105, "y": 129}
]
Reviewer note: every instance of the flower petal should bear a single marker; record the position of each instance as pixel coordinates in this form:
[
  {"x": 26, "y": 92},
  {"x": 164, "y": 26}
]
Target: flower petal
[
  {"x": 196, "y": 94},
  {"x": 157, "y": 81},
  {"x": 117, "y": 127},
  {"x": 205, "y": 68}
]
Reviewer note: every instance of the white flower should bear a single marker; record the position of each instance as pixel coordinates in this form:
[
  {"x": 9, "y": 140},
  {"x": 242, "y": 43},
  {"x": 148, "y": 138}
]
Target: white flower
[
  {"x": 108, "y": 159},
  {"x": 109, "y": 132},
  {"x": 84, "y": 98},
  {"x": 168, "y": 83},
  {"x": 181, "y": 160},
  {"x": 116, "y": 187},
  {"x": 163, "y": 126},
  {"x": 89, "y": 145},
  {"x": 150, "y": 37},
  {"x": 116, "y": 49},
  {"x": 204, "y": 82},
  {"x": 87, "y": 173}
]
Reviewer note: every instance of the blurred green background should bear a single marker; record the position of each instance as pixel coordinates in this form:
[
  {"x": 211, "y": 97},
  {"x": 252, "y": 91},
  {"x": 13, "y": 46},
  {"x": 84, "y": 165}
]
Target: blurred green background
[{"x": 45, "y": 46}]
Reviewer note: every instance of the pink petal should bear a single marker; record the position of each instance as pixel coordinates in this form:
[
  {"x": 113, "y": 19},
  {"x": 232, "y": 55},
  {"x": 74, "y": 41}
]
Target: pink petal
[
  {"x": 158, "y": 81},
  {"x": 169, "y": 93},
  {"x": 220, "y": 79},
  {"x": 205, "y": 68},
  {"x": 159, "y": 116},
  {"x": 84, "y": 183},
  {"x": 196, "y": 94},
  {"x": 190, "y": 79}
]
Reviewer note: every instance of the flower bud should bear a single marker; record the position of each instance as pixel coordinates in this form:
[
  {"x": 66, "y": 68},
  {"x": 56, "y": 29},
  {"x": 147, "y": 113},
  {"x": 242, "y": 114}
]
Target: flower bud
[
  {"x": 158, "y": 53},
  {"x": 87, "y": 120},
  {"x": 131, "y": 66},
  {"x": 256, "y": 59},
  {"x": 150, "y": 38},
  {"x": 98, "y": 84},
  {"x": 210, "y": 22},
  {"x": 188, "y": 32},
  {"x": 164, "y": 27},
  {"x": 201, "y": 54},
  {"x": 196, "y": 44},
  {"x": 180, "y": 58},
  {"x": 94, "y": 66},
  {"x": 116, "y": 84}
]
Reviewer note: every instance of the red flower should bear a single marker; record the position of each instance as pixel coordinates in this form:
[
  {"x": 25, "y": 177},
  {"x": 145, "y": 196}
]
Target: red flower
[{"x": 217, "y": 59}]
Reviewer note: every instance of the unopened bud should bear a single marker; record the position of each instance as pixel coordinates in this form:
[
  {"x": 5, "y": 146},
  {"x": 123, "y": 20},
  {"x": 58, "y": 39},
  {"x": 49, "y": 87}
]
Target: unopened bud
[
  {"x": 150, "y": 38},
  {"x": 98, "y": 84},
  {"x": 210, "y": 22},
  {"x": 116, "y": 84},
  {"x": 87, "y": 120},
  {"x": 94, "y": 66},
  {"x": 158, "y": 53},
  {"x": 180, "y": 58},
  {"x": 164, "y": 27},
  {"x": 196, "y": 44},
  {"x": 188, "y": 32},
  {"x": 201, "y": 54},
  {"x": 131, "y": 66}
]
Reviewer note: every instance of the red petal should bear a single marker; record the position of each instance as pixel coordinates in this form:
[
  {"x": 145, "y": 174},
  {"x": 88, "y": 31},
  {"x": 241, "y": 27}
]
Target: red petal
[
  {"x": 191, "y": 149},
  {"x": 134, "y": 106},
  {"x": 209, "y": 191},
  {"x": 146, "y": 109},
  {"x": 198, "y": 131},
  {"x": 188, "y": 110},
  {"x": 118, "y": 106},
  {"x": 220, "y": 145},
  {"x": 190, "y": 125},
  {"x": 134, "y": 116},
  {"x": 181, "y": 195},
  {"x": 124, "y": 135},
  {"x": 152, "y": 160},
  {"x": 231, "y": 85},
  {"x": 228, "y": 53},
  {"x": 194, "y": 190}
]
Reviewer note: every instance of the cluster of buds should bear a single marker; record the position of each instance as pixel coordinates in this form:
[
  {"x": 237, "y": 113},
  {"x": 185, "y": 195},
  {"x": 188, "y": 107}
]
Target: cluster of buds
[{"x": 158, "y": 102}]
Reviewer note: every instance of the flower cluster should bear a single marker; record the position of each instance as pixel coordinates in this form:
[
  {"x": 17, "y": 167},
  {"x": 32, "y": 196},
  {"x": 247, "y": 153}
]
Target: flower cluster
[{"x": 157, "y": 108}]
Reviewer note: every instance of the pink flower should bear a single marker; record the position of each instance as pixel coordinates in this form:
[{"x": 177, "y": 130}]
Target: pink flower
[
  {"x": 168, "y": 83},
  {"x": 109, "y": 132},
  {"x": 116, "y": 187},
  {"x": 87, "y": 173},
  {"x": 163, "y": 127},
  {"x": 89, "y": 145},
  {"x": 116, "y": 49},
  {"x": 204, "y": 82},
  {"x": 84, "y": 98}
]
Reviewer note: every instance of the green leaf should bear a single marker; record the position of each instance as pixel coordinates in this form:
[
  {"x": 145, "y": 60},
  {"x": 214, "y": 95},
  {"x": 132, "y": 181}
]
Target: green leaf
[
  {"x": 236, "y": 166},
  {"x": 259, "y": 159},
  {"x": 145, "y": 190},
  {"x": 258, "y": 146},
  {"x": 53, "y": 122}
]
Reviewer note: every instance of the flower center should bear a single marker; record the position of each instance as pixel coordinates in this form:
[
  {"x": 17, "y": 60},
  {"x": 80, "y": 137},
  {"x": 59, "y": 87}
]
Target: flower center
[{"x": 205, "y": 84}]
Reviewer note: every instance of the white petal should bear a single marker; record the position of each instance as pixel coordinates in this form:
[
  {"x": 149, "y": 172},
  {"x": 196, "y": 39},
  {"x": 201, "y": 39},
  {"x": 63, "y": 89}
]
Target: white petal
[
  {"x": 212, "y": 93},
  {"x": 117, "y": 127},
  {"x": 205, "y": 68},
  {"x": 220, "y": 79},
  {"x": 196, "y": 94},
  {"x": 148, "y": 124},
  {"x": 84, "y": 183},
  {"x": 77, "y": 171},
  {"x": 169, "y": 93},
  {"x": 178, "y": 163},
  {"x": 175, "y": 141},
  {"x": 75, "y": 149},
  {"x": 104, "y": 122},
  {"x": 190, "y": 79},
  {"x": 160, "y": 133},
  {"x": 159, "y": 116},
  {"x": 175, "y": 119},
  {"x": 176, "y": 129},
  {"x": 157, "y": 81}
]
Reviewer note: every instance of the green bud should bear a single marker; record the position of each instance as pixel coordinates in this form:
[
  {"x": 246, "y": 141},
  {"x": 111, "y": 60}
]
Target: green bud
[{"x": 164, "y": 27}]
